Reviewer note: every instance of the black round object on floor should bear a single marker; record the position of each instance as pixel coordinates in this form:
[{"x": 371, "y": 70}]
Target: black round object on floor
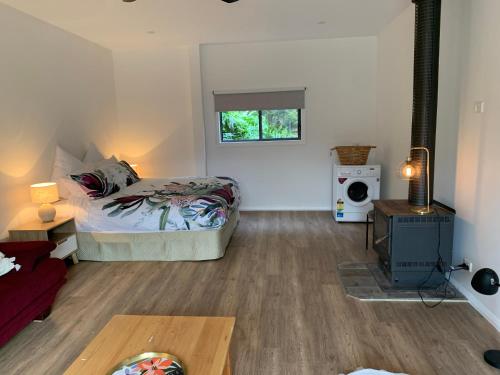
[
  {"x": 485, "y": 281},
  {"x": 492, "y": 357}
]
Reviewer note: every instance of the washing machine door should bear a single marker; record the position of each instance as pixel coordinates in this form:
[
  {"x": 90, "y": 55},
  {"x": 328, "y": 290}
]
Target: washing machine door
[{"x": 358, "y": 192}]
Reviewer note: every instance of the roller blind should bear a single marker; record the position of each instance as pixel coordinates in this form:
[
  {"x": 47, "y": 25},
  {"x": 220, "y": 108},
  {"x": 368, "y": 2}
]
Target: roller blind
[{"x": 289, "y": 99}]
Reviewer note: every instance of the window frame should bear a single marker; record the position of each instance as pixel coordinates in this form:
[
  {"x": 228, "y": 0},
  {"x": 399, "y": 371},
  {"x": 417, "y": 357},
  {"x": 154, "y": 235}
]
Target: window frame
[{"x": 261, "y": 140}]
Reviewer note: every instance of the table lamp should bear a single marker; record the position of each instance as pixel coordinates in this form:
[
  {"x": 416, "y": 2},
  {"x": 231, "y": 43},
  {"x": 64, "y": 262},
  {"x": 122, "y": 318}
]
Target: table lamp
[
  {"x": 486, "y": 282},
  {"x": 409, "y": 171},
  {"x": 45, "y": 194}
]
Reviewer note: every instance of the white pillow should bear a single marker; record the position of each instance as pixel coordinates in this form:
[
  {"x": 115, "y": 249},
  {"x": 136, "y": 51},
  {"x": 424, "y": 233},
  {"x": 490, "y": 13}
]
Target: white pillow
[
  {"x": 93, "y": 155},
  {"x": 103, "y": 163},
  {"x": 64, "y": 164},
  {"x": 70, "y": 188},
  {"x": 373, "y": 372}
]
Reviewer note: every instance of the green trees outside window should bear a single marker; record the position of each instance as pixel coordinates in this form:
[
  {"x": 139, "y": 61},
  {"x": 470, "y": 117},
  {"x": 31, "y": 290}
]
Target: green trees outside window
[{"x": 265, "y": 125}]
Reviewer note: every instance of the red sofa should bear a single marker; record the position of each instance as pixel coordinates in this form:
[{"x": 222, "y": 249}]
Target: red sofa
[{"x": 28, "y": 294}]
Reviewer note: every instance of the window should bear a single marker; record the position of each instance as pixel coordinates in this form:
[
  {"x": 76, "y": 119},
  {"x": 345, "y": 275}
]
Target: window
[
  {"x": 266, "y": 125},
  {"x": 260, "y": 116}
]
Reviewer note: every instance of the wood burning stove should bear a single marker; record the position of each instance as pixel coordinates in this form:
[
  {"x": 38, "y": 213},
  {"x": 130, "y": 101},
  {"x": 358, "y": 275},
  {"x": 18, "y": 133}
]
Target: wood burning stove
[{"x": 414, "y": 250}]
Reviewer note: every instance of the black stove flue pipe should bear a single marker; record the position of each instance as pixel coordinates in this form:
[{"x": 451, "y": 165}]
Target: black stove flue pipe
[{"x": 425, "y": 95}]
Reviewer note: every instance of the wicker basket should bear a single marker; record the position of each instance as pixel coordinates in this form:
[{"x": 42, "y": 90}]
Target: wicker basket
[{"x": 353, "y": 155}]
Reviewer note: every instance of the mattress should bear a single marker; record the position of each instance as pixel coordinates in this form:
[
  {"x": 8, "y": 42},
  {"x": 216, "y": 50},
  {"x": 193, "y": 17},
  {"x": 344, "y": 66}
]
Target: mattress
[{"x": 160, "y": 205}]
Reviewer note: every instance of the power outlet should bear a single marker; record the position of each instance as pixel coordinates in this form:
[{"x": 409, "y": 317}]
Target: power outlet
[
  {"x": 468, "y": 263},
  {"x": 479, "y": 107}
]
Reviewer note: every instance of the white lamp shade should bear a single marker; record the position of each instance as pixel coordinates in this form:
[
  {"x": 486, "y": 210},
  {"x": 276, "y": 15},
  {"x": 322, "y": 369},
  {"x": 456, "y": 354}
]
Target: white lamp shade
[{"x": 46, "y": 192}]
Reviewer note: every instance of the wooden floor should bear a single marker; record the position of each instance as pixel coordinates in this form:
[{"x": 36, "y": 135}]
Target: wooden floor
[{"x": 279, "y": 279}]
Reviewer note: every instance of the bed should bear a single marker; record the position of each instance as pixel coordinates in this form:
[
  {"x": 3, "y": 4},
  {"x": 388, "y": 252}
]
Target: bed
[{"x": 180, "y": 219}]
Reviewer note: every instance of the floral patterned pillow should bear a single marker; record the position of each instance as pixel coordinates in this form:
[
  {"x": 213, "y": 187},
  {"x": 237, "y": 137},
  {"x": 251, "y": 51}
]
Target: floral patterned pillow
[{"x": 107, "y": 178}]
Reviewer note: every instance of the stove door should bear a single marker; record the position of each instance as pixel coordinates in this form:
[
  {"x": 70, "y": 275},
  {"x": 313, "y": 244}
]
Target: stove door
[{"x": 382, "y": 238}]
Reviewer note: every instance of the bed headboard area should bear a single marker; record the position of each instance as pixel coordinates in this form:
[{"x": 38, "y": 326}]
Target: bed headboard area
[{"x": 67, "y": 97}]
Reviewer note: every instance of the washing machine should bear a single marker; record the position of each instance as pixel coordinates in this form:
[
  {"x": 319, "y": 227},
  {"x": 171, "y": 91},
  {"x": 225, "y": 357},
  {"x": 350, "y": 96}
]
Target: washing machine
[{"x": 354, "y": 189}]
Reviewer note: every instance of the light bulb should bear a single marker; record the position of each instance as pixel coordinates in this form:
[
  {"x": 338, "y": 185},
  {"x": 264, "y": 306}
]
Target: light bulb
[{"x": 409, "y": 171}]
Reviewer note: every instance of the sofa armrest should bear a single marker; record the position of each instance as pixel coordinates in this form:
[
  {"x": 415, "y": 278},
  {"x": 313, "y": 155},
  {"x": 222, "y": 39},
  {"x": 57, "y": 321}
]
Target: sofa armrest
[{"x": 27, "y": 254}]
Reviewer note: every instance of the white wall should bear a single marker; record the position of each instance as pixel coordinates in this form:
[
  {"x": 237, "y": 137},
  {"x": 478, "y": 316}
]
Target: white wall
[
  {"x": 55, "y": 88},
  {"x": 155, "y": 97},
  {"x": 448, "y": 116},
  {"x": 340, "y": 76},
  {"x": 394, "y": 100},
  {"x": 465, "y": 173},
  {"x": 477, "y": 234}
]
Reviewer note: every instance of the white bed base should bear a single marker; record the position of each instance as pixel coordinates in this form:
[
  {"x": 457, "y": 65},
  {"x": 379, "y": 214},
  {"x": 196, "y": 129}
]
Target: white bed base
[{"x": 157, "y": 246}]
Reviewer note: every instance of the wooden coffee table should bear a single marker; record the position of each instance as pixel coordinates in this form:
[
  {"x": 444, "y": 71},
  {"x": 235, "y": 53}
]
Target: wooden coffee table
[{"x": 201, "y": 343}]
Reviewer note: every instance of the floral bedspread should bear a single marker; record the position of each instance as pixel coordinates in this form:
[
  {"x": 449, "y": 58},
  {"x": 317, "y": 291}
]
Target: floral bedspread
[{"x": 164, "y": 205}]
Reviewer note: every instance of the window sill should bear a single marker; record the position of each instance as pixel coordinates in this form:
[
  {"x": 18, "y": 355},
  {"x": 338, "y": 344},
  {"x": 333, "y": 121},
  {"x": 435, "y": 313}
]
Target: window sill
[{"x": 262, "y": 143}]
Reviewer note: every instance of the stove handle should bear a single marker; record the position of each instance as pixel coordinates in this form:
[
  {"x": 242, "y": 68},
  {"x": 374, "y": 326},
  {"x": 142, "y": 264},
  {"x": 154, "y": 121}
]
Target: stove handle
[{"x": 378, "y": 241}]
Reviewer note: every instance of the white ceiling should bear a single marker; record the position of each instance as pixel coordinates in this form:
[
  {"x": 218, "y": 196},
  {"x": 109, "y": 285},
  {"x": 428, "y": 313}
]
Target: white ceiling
[{"x": 118, "y": 25}]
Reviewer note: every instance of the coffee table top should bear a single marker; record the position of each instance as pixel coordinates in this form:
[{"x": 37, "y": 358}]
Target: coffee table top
[{"x": 201, "y": 343}]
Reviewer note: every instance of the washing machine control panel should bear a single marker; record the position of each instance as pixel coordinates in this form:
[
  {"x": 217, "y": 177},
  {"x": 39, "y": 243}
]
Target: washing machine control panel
[{"x": 358, "y": 171}]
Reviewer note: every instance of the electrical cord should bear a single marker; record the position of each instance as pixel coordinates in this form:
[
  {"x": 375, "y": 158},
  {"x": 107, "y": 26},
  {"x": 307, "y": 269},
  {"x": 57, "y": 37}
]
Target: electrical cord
[
  {"x": 445, "y": 296},
  {"x": 439, "y": 266}
]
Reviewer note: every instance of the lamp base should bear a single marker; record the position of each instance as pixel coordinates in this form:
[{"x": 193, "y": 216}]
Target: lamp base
[
  {"x": 492, "y": 357},
  {"x": 47, "y": 213},
  {"x": 422, "y": 210}
]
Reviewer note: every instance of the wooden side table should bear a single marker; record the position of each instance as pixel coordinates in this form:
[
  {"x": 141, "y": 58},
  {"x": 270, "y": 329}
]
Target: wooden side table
[
  {"x": 62, "y": 231},
  {"x": 201, "y": 343}
]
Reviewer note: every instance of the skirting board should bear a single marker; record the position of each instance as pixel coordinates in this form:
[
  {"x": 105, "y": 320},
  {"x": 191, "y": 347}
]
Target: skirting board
[
  {"x": 478, "y": 305},
  {"x": 285, "y": 208}
]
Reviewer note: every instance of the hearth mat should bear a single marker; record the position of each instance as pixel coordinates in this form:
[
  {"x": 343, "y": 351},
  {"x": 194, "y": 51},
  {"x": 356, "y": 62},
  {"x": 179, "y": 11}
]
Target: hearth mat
[{"x": 367, "y": 282}]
